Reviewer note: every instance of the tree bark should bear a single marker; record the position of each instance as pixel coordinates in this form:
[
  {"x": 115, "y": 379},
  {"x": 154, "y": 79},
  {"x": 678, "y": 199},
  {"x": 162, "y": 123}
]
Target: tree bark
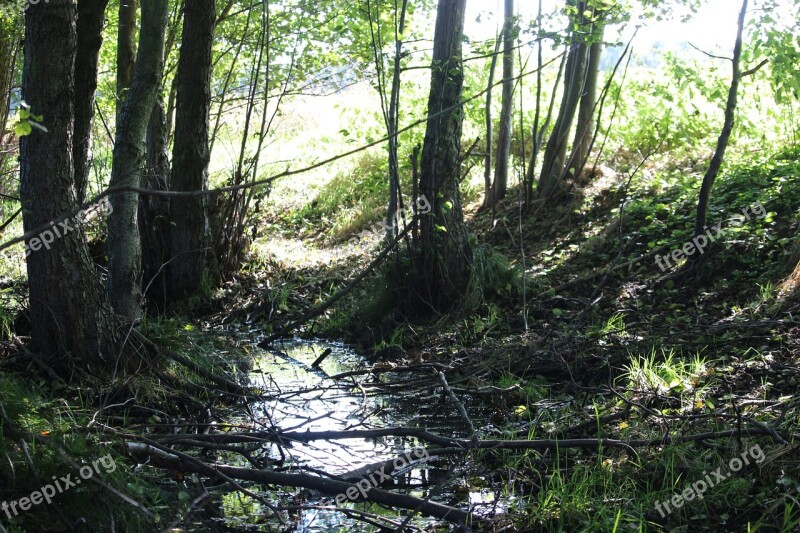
[
  {"x": 154, "y": 210},
  {"x": 556, "y": 150},
  {"x": 504, "y": 131},
  {"x": 124, "y": 246},
  {"x": 446, "y": 255},
  {"x": 586, "y": 122},
  {"x": 69, "y": 311},
  {"x": 394, "y": 106},
  {"x": 537, "y": 132},
  {"x": 126, "y": 48},
  {"x": 487, "y": 158},
  {"x": 535, "y": 135},
  {"x": 190, "y": 231},
  {"x": 91, "y": 16},
  {"x": 9, "y": 39},
  {"x": 725, "y": 135}
]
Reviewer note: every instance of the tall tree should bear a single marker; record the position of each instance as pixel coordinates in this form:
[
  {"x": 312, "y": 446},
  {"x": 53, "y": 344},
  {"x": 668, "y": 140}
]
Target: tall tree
[
  {"x": 584, "y": 133},
  {"x": 9, "y": 45},
  {"x": 126, "y": 48},
  {"x": 537, "y": 132},
  {"x": 489, "y": 121},
  {"x": 504, "y": 131},
  {"x": 190, "y": 229},
  {"x": 124, "y": 245},
  {"x": 393, "y": 123},
  {"x": 556, "y": 149},
  {"x": 91, "y": 16},
  {"x": 727, "y": 128},
  {"x": 69, "y": 310},
  {"x": 446, "y": 257},
  {"x": 154, "y": 210}
]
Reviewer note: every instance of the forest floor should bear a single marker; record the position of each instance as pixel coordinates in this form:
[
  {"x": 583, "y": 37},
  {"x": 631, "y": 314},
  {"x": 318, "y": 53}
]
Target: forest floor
[
  {"x": 588, "y": 337},
  {"x": 656, "y": 400}
]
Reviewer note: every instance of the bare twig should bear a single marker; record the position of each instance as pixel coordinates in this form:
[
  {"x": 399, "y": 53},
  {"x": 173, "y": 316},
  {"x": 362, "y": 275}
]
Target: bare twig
[
  {"x": 459, "y": 406},
  {"x": 710, "y": 54},
  {"x": 755, "y": 69}
]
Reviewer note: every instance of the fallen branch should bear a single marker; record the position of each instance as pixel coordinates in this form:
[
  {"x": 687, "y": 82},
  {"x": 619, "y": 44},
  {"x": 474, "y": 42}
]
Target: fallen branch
[
  {"x": 459, "y": 406},
  {"x": 487, "y": 391},
  {"x": 465, "y": 444},
  {"x": 382, "y": 369},
  {"x": 223, "y": 381},
  {"x": 318, "y": 361},
  {"x": 329, "y": 487}
]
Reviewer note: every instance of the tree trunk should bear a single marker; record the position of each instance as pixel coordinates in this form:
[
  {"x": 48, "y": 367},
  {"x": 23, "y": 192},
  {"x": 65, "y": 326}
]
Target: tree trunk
[
  {"x": 124, "y": 246},
  {"x": 504, "y": 132},
  {"x": 394, "y": 106},
  {"x": 487, "y": 158},
  {"x": 126, "y": 48},
  {"x": 154, "y": 210},
  {"x": 91, "y": 16},
  {"x": 9, "y": 39},
  {"x": 446, "y": 255},
  {"x": 555, "y": 152},
  {"x": 535, "y": 134},
  {"x": 724, "y": 137},
  {"x": 69, "y": 311},
  {"x": 190, "y": 232},
  {"x": 538, "y": 131},
  {"x": 586, "y": 123}
]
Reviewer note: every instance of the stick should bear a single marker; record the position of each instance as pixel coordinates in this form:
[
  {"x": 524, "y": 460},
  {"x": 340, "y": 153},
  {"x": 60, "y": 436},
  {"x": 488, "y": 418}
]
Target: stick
[{"x": 328, "y": 487}]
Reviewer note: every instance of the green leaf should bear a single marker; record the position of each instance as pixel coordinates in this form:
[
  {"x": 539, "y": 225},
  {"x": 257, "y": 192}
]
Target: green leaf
[
  {"x": 440, "y": 228},
  {"x": 22, "y": 128}
]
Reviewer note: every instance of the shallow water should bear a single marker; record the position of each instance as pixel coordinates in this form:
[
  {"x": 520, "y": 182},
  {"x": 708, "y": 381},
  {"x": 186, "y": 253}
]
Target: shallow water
[{"x": 303, "y": 398}]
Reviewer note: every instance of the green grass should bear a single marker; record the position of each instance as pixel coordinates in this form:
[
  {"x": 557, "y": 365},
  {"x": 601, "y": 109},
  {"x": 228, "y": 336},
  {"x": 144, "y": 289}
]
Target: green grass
[
  {"x": 664, "y": 374},
  {"x": 63, "y": 426}
]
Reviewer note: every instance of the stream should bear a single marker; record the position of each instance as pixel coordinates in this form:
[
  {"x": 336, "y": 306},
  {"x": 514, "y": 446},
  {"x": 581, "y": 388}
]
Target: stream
[{"x": 303, "y": 398}]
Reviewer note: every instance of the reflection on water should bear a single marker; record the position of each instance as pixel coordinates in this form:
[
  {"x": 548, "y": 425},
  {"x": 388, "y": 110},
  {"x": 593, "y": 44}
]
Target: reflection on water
[{"x": 304, "y": 398}]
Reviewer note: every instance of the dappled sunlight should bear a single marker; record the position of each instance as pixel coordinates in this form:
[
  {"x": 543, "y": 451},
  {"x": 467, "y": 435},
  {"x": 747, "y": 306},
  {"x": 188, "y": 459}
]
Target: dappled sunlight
[{"x": 586, "y": 320}]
